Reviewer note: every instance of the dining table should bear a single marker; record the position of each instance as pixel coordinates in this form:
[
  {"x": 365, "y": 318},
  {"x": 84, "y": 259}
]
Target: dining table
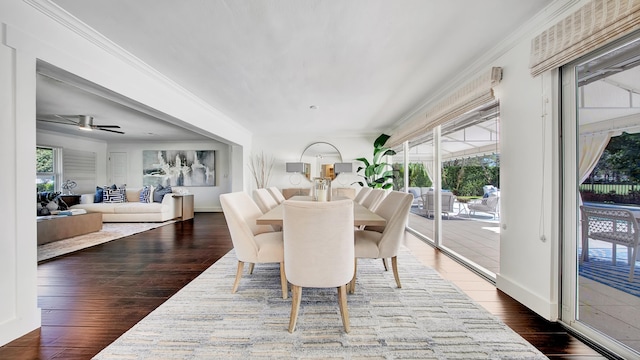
[{"x": 361, "y": 215}]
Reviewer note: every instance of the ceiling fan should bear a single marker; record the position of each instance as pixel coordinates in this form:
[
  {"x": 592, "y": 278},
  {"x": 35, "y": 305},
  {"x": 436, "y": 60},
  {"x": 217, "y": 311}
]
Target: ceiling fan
[{"x": 83, "y": 122}]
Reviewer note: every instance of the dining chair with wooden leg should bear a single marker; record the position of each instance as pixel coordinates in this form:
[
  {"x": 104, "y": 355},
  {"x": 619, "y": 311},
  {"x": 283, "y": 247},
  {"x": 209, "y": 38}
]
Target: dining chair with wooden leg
[
  {"x": 252, "y": 243},
  {"x": 381, "y": 242},
  {"x": 318, "y": 250}
]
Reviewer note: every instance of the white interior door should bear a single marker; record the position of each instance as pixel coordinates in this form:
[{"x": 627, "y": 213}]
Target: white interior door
[{"x": 118, "y": 168}]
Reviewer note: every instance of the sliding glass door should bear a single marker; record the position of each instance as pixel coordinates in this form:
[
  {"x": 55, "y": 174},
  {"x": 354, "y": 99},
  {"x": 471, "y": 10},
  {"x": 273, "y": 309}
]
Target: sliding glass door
[
  {"x": 601, "y": 127},
  {"x": 453, "y": 174}
]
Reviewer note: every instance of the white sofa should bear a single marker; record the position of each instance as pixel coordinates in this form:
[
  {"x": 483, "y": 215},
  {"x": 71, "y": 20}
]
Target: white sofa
[{"x": 133, "y": 210}]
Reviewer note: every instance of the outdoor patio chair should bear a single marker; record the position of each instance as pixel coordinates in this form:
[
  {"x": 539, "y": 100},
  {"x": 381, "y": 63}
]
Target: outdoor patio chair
[
  {"x": 417, "y": 198},
  {"x": 616, "y": 226},
  {"x": 489, "y": 204},
  {"x": 428, "y": 200}
]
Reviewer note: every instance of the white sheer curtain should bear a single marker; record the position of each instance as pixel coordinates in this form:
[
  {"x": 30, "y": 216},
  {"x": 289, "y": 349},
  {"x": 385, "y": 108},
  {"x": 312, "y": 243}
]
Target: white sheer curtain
[
  {"x": 428, "y": 166},
  {"x": 591, "y": 148}
]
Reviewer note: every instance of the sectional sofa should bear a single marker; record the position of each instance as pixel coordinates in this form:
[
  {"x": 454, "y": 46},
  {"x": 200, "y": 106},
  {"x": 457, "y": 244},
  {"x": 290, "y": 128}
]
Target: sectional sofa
[{"x": 133, "y": 209}]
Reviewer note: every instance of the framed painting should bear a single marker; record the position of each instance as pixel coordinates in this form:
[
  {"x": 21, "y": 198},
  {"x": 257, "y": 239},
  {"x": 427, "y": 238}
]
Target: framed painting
[{"x": 179, "y": 167}]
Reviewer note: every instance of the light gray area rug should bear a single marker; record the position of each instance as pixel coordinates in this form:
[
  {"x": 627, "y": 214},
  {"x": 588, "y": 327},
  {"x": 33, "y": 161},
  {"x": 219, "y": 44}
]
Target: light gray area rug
[
  {"x": 429, "y": 318},
  {"x": 109, "y": 232}
]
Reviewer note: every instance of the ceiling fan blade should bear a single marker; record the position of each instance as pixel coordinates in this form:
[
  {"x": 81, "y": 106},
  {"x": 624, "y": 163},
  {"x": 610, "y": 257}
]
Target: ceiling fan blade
[
  {"x": 68, "y": 118},
  {"x": 113, "y": 131},
  {"x": 55, "y": 121},
  {"x": 108, "y": 126}
]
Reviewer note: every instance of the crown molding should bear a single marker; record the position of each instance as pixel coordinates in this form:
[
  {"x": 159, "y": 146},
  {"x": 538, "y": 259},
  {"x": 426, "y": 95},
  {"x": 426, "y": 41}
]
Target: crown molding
[{"x": 64, "y": 18}]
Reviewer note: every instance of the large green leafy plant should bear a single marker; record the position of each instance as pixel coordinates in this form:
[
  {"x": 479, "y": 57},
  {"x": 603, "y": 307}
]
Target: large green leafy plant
[{"x": 377, "y": 173}]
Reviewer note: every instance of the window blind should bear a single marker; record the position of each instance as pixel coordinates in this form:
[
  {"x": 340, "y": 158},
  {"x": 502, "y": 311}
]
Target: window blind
[
  {"x": 79, "y": 166},
  {"x": 595, "y": 24},
  {"x": 467, "y": 98}
]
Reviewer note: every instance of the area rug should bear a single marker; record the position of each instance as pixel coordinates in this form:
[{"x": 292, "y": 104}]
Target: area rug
[
  {"x": 109, "y": 232},
  {"x": 600, "y": 268},
  {"x": 429, "y": 318}
]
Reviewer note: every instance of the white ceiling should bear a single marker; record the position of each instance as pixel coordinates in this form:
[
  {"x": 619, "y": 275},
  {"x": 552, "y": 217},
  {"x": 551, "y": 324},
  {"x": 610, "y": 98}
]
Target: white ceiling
[
  {"x": 75, "y": 96},
  {"x": 365, "y": 64}
]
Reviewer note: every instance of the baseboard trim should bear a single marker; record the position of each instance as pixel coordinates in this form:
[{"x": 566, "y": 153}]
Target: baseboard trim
[
  {"x": 208, "y": 209},
  {"x": 20, "y": 326},
  {"x": 542, "y": 307}
]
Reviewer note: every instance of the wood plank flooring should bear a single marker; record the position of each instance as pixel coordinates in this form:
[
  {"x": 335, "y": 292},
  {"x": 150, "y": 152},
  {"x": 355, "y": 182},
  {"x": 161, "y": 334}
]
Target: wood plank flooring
[{"x": 89, "y": 298}]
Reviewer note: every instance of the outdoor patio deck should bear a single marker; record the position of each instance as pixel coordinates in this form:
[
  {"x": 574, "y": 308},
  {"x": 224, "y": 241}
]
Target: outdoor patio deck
[{"x": 475, "y": 237}]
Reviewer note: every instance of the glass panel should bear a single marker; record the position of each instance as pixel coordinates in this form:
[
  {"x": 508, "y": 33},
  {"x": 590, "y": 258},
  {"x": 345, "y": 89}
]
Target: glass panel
[
  {"x": 420, "y": 161},
  {"x": 469, "y": 220},
  {"x": 45, "y": 169},
  {"x": 608, "y": 180},
  {"x": 471, "y": 189}
]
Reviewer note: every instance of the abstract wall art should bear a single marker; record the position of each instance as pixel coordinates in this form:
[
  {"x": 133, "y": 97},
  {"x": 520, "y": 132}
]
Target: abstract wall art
[{"x": 179, "y": 167}]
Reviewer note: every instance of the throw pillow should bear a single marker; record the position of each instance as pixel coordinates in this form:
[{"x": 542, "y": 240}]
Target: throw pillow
[
  {"x": 145, "y": 194},
  {"x": 160, "y": 192},
  {"x": 62, "y": 205},
  {"x": 97, "y": 198},
  {"x": 114, "y": 195}
]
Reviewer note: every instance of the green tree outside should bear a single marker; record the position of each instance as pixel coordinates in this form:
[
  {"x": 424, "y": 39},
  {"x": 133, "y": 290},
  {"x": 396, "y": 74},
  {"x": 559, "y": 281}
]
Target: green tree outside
[
  {"x": 44, "y": 160},
  {"x": 44, "y": 164},
  {"x": 464, "y": 177}
]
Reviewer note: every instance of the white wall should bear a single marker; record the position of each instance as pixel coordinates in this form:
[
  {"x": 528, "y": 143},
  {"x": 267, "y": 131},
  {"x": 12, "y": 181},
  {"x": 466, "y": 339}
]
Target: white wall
[
  {"x": 27, "y": 34},
  {"x": 526, "y": 181},
  {"x": 206, "y": 198},
  {"x": 286, "y": 149},
  {"x": 19, "y": 311}
]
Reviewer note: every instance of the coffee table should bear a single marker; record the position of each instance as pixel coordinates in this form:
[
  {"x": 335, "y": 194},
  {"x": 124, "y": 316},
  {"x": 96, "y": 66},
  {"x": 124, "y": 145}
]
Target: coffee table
[{"x": 54, "y": 228}]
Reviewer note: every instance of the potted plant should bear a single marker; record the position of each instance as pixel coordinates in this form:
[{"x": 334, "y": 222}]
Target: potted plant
[{"x": 377, "y": 173}]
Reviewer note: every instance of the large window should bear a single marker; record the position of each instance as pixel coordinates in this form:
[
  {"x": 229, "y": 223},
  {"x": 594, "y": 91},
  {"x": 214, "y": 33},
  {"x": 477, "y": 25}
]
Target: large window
[{"x": 47, "y": 172}]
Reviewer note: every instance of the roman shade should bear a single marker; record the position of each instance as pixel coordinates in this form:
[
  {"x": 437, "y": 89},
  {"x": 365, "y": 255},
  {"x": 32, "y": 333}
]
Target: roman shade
[
  {"x": 595, "y": 24},
  {"x": 469, "y": 97},
  {"x": 80, "y": 166}
]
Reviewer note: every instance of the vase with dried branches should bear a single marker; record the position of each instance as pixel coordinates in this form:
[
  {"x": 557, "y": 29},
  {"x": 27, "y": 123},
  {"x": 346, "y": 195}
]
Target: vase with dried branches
[{"x": 260, "y": 167}]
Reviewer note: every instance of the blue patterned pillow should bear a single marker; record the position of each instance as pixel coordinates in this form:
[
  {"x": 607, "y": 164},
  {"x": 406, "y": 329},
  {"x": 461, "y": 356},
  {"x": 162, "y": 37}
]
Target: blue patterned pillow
[
  {"x": 114, "y": 195},
  {"x": 97, "y": 198},
  {"x": 145, "y": 194},
  {"x": 159, "y": 193}
]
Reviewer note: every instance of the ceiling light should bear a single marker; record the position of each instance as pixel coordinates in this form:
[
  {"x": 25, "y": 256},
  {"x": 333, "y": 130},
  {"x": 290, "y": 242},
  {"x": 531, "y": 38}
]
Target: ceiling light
[{"x": 85, "y": 122}]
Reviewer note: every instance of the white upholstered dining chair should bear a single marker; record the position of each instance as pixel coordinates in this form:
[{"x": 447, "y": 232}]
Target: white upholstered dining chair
[
  {"x": 276, "y": 194},
  {"x": 264, "y": 199},
  {"x": 384, "y": 241},
  {"x": 318, "y": 250},
  {"x": 374, "y": 198},
  {"x": 362, "y": 194},
  {"x": 265, "y": 202},
  {"x": 252, "y": 243}
]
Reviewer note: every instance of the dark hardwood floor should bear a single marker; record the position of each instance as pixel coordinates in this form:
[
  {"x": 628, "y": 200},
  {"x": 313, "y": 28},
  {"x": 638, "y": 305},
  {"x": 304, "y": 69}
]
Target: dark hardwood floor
[{"x": 89, "y": 298}]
